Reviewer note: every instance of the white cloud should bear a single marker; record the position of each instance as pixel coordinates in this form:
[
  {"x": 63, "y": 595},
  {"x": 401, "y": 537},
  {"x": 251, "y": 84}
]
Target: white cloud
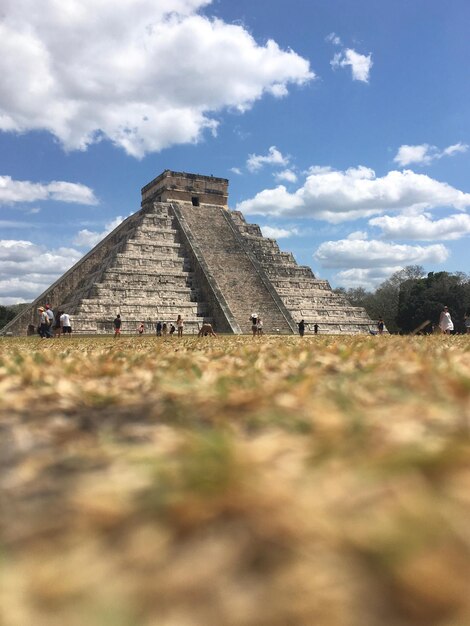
[
  {"x": 334, "y": 39},
  {"x": 356, "y": 253},
  {"x": 236, "y": 170},
  {"x": 337, "y": 196},
  {"x": 287, "y": 175},
  {"x": 27, "y": 269},
  {"x": 422, "y": 228},
  {"x": 145, "y": 74},
  {"x": 274, "y": 232},
  {"x": 455, "y": 149},
  {"x": 12, "y": 191},
  {"x": 423, "y": 154},
  {"x": 360, "y": 63},
  {"x": 88, "y": 239},
  {"x": 274, "y": 157},
  {"x": 368, "y": 278},
  {"x": 357, "y": 235}
]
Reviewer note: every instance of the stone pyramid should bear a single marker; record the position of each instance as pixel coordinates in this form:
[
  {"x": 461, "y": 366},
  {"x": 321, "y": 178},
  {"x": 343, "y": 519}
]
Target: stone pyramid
[{"x": 186, "y": 253}]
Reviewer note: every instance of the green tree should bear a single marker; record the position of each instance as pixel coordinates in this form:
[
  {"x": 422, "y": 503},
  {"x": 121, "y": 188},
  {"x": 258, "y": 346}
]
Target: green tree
[
  {"x": 422, "y": 299},
  {"x": 6, "y": 314}
]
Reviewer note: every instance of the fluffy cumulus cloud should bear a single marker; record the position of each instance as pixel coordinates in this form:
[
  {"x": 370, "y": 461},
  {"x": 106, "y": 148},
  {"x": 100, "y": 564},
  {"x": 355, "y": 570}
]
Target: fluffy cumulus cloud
[
  {"x": 367, "y": 263},
  {"x": 366, "y": 254},
  {"x": 275, "y": 232},
  {"x": 145, "y": 74},
  {"x": 274, "y": 158},
  {"x": 27, "y": 269},
  {"x": 337, "y": 196},
  {"x": 360, "y": 64},
  {"x": 88, "y": 238},
  {"x": 423, "y": 154},
  {"x": 287, "y": 175},
  {"x": 368, "y": 278},
  {"x": 422, "y": 227},
  {"x": 13, "y": 191}
]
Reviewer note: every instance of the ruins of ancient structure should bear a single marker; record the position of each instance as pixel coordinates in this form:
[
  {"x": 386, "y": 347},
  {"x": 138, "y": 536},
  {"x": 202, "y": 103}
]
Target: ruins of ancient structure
[{"x": 185, "y": 253}]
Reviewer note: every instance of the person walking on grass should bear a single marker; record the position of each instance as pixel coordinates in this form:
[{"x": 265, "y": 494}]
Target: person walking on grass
[
  {"x": 180, "y": 325},
  {"x": 57, "y": 325},
  {"x": 466, "y": 318},
  {"x": 380, "y": 326},
  {"x": 51, "y": 320},
  {"x": 117, "y": 326},
  {"x": 65, "y": 325},
  {"x": 43, "y": 323},
  {"x": 445, "y": 322}
]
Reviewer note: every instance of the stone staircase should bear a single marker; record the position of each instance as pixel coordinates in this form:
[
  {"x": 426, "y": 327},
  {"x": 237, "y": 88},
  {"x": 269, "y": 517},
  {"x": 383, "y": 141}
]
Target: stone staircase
[
  {"x": 305, "y": 296},
  {"x": 148, "y": 280},
  {"x": 231, "y": 269}
]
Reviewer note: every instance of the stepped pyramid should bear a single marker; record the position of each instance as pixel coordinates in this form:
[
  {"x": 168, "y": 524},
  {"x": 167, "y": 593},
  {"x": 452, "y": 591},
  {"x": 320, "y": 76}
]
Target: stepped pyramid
[{"x": 186, "y": 253}]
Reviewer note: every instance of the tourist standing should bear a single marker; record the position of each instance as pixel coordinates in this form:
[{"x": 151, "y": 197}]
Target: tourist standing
[
  {"x": 141, "y": 328},
  {"x": 43, "y": 323},
  {"x": 180, "y": 325},
  {"x": 315, "y": 329},
  {"x": 117, "y": 325},
  {"x": 65, "y": 324},
  {"x": 172, "y": 328},
  {"x": 301, "y": 326},
  {"x": 259, "y": 327},
  {"x": 164, "y": 329},
  {"x": 51, "y": 320},
  {"x": 57, "y": 325},
  {"x": 445, "y": 322},
  {"x": 467, "y": 322},
  {"x": 254, "y": 324},
  {"x": 158, "y": 328},
  {"x": 380, "y": 326}
]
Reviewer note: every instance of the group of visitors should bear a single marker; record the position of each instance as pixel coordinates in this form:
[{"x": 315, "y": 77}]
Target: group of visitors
[
  {"x": 256, "y": 325},
  {"x": 51, "y": 324},
  {"x": 55, "y": 324},
  {"x": 301, "y": 326},
  {"x": 161, "y": 328}
]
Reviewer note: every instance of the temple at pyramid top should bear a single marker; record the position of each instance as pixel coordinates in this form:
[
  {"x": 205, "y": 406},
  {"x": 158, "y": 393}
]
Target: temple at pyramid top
[
  {"x": 184, "y": 187},
  {"x": 186, "y": 253}
]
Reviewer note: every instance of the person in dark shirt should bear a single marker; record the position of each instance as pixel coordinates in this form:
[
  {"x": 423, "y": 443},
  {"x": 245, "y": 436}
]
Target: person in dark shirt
[
  {"x": 301, "y": 326},
  {"x": 117, "y": 326},
  {"x": 380, "y": 326}
]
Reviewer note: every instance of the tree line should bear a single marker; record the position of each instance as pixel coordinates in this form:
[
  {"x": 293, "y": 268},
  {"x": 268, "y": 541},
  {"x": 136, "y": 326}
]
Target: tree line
[
  {"x": 7, "y": 313},
  {"x": 411, "y": 297}
]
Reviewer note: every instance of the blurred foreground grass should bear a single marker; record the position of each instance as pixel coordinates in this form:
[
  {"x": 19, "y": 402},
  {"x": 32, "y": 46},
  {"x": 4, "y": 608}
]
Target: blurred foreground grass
[{"x": 232, "y": 482}]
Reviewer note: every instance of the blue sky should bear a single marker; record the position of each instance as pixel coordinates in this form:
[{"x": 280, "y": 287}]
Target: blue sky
[{"x": 342, "y": 126}]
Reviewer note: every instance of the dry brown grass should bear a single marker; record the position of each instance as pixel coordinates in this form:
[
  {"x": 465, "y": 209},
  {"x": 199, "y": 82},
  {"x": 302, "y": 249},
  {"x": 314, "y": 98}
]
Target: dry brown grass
[{"x": 231, "y": 482}]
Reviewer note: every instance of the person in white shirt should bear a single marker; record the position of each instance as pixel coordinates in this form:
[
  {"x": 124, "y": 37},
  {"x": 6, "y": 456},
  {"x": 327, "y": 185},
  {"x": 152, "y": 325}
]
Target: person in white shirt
[
  {"x": 65, "y": 324},
  {"x": 445, "y": 322}
]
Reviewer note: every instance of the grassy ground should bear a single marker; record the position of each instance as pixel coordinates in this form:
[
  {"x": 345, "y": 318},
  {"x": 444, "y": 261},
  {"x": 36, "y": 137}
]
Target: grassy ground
[{"x": 232, "y": 482}]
